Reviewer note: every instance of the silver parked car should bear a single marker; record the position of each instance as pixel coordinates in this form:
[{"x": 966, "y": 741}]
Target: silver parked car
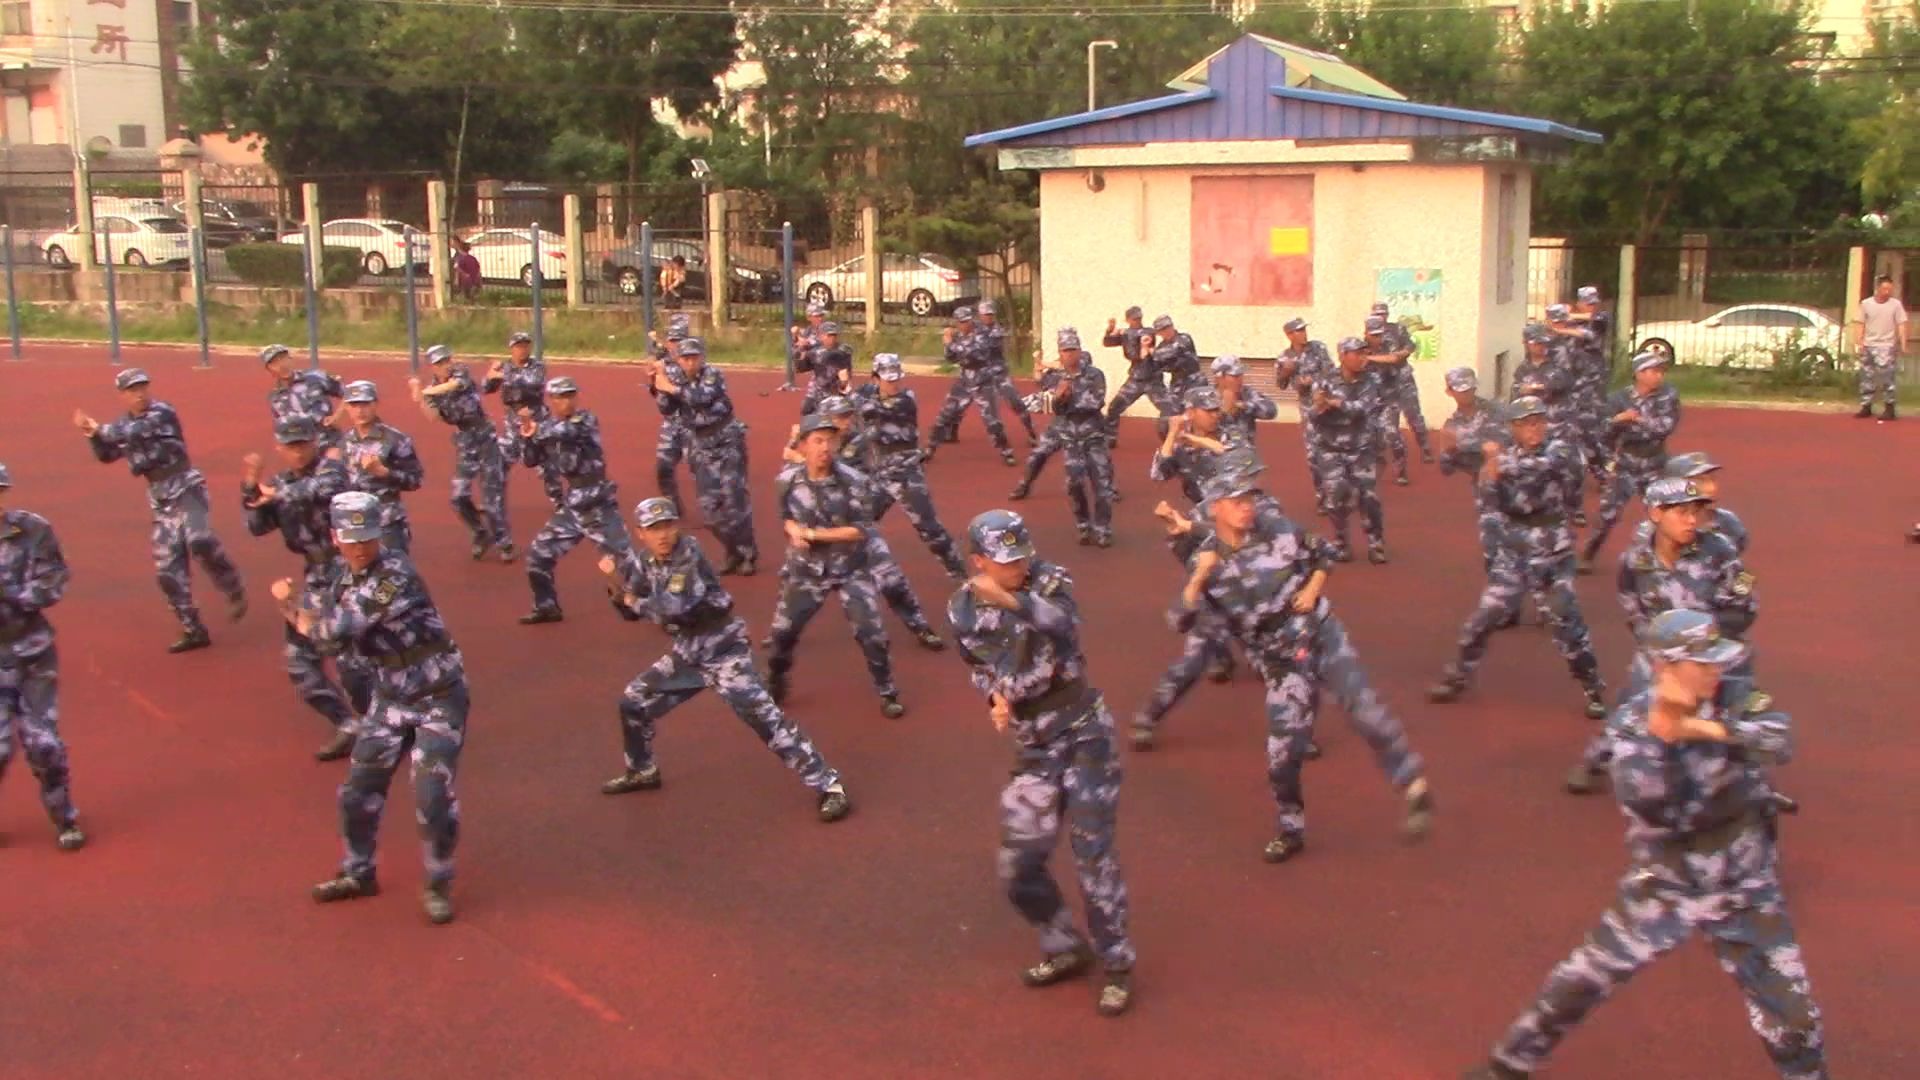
[{"x": 922, "y": 284}]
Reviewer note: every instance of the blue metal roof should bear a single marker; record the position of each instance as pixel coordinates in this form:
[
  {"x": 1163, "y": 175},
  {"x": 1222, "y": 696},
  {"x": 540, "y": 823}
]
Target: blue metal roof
[
  {"x": 1439, "y": 112},
  {"x": 1111, "y": 112}
]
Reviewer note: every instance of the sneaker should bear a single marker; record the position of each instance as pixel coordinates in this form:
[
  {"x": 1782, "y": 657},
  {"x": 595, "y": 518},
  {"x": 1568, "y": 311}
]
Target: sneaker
[
  {"x": 1058, "y": 968},
  {"x": 1221, "y": 673},
  {"x": 891, "y": 708},
  {"x": 1141, "y": 737},
  {"x": 1596, "y": 703},
  {"x": 506, "y": 556},
  {"x": 1114, "y": 496},
  {"x": 645, "y": 778},
  {"x": 1583, "y": 780},
  {"x": 1103, "y": 540},
  {"x": 337, "y": 747},
  {"x": 191, "y": 640},
  {"x": 1426, "y": 457},
  {"x": 344, "y": 886},
  {"x": 1377, "y": 554},
  {"x": 1313, "y": 750},
  {"x": 541, "y": 615},
  {"x": 834, "y": 804},
  {"x": 1402, "y": 480},
  {"x": 479, "y": 550},
  {"x": 746, "y": 568},
  {"x": 1579, "y": 519},
  {"x": 1086, "y": 539},
  {"x": 70, "y": 838},
  {"x": 1341, "y": 553},
  {"x": 1887, "y": 412},
  {"x": 1865, "y": 413},
  {"x": 236, "y": 607},
  {"x": 1007, "y": 457},
  {"x": 1419, "y": 820},
  {"x": 1020, "y": 491},
  {"x": 929, "y": 640},
  {"x": 1584, "y": 567},
  {"x": 1117, "y": 995},
  {"x": 1281, "y": 848},
  {"x": 1448, "y": 689},
  {"x": 437, "y": 904}
]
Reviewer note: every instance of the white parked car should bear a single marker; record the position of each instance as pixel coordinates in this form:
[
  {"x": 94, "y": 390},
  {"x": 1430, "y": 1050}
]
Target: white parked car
[
  {"x": 507, "y": 255},
  {"x": 382, "y": 244},
  {"x": 134, "y": 241},
  {"x": 1747, "y": 335},
  {"x": 923, "y": 284}
]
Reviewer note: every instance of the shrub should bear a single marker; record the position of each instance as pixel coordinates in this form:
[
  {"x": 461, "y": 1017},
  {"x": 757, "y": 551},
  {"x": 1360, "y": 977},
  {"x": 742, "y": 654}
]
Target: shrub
[{"x": 276, "y": 264}]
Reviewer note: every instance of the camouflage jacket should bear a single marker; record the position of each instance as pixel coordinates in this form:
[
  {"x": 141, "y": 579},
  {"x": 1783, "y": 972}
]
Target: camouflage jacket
[
  {"x": 1178, "y": 360},
  {"x": 826, "y": 365},
  {"x": 33, "y": 578},
  {"x": 300, "y": 509},
  {"x": 520, "y": 385},
  {"x": 1708, "y": 576},
  {"x": 155, "y": 447},
  {"x": 1252, "y": 407},
  {"x": 1081, "y": 412},
  {"x": 1644, "y": 439},
  {"x": 571, "y": 449},
  {"x": 1130, "y": 339},
  {"x": 1350, "y": 425},
  {"x": 1485, "y": 424},
  {"x": 893, "y": 426},
  {"x": 1029, "y": 657},
  {"x": 307, "y": 395},
  {"x": 843, "y": 498},
  {"x": 1253, "y": 586},
  {"x": 461, "y": 406},
  {"x": 384, "y": 616},
  {"x": 394, "y": 449},
  {"x": 680, "y": 592},
  {"x": 1673, "y": 793},
  {"x": 705, "y": 405}
]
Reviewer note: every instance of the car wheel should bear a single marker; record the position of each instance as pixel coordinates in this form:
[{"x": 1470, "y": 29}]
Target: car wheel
[
  {"x": 136, "y": 260},
  {"x": 629, "y": 281},
  {"x": 1819, "y": 361},
  {"x": 920, "y": 302},
  {"x": 526, "y": 275},
  {"x": 818, "y": 293},
  {"x": 57, "y": 256},
  {"x": 375, "y": 263},
  {"x": 1661, "y": 344}
]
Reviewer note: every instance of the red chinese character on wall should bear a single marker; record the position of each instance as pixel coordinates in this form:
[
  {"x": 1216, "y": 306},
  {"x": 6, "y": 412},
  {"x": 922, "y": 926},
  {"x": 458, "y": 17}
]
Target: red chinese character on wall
[{"x": 107, "y": 39}]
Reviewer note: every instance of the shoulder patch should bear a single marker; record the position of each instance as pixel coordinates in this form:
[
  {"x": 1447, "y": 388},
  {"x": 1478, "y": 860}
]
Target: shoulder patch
[
  {"x": 677, "y": 583},
  {"x": 1757, "y": 702},
  {"x": 1642, "y": 559},
  {"x": 386, "y": 590}
]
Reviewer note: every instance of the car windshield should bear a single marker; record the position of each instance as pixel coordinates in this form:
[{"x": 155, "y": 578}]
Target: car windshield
[{"x": 164, "y": 224}]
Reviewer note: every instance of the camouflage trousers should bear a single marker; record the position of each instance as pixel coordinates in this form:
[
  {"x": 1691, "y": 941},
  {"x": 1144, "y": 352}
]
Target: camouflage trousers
[
  {"x": 1002, "y": 383},
  {"x": 1154, "y": 389},
  {"x": 1052, "y": 441},
  {"x": 1075, "y": 778},
  {"x": 1630, "y": 478},
  {"x": 181, "y": 533},
  {"x": 1316, "y": 470},
  {"x": 802, "y": 598},
  {"x": 1294, "y": 675},
  {"x": 1401, "y": 396},
  {"x": 432, "y": 730},
  {"x": 479, "y": 469},
  {"x": 30, "y": 718},
  {"x": 908, "y": 487},
  {"x": 673, "y": 446},
  {"x": 1205, "y": 648},
  {"x": 720, "y": 478},
  {"x": 719, "y": 661},
  {"x": 563, "y": 532},
  {"x": 893, "y": 586},
  {"x": 1590, "y": 433},
  {"x": 1347, "y": 478},
  {"x": 971, "y": 389},
  {"x": 307, "y": 667},
  {"x": 1879, "y": 375},
  {"x": 1517, "y": 571},
  {"x": 513, "y": 452},
  {"x": 1733, "y": 896}
]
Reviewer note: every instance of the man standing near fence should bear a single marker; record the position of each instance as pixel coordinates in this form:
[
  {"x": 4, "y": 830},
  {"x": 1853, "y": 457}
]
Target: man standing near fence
[{"x": 1880, "y": 337}]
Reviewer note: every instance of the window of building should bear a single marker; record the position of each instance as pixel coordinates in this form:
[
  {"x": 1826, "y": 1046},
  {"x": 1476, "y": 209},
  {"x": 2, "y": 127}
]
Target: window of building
[
  {"x": 16, "y": 17},
  {"x": 183, "y": 16},
  {"x": 1506, "y": 210},
  {"x": 133, "y": 136}
]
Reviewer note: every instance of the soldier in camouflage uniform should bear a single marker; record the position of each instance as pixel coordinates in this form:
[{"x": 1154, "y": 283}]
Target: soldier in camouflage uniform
[
  {"x": 454, "y": 399},
  {"x": 1176, "y": 359},
  {"x": 973, "y": 385},
  {"x": 806, "y": 336},
  {"x": 827, "y": 509},
  {"x": 1193, "y": 444},
  {"x": 1302, "y": 365},
  {"x": 1640, "y": 419},
  {"x": 1544, "y": 373},
  {"x": 1016, "y": 621},
  {"x": 381, "y": 613},
  {"x": 1135, "y": 343},
  {"x": 1346, "y": 408},
  {"x": 831, "y": 364},
  {"x": 521, "y": 382},
  {"x": 891, "y": 416},
  {"x": 1687, "y": 755},
  {"x": 151, "y": 439},
  {"x": 381, "y": 461},
  {"x": 1067, "y": 340},
  {"x": 33, "y": 578},
  {"x": 1526, "y": 484},
  {"x": 994, "y": 336},
  {"x": 1262, "y": 575},
  {"x": 1241, "y": 406},
  {"x": 311, "y": 395},
  {"x": 1391, "y": 348},
  {"x": 1075, "y": 391},
  {"x": 669, "y": 581},
  {"x": 1463, "y": 438},
  {"x": 698, "y": 392},
  {"x": 297, "y": 504},
  {"x": 1583, "y": 336},
  {"x": 566, "y": 446},
  {"x": 675, "y": 441}
]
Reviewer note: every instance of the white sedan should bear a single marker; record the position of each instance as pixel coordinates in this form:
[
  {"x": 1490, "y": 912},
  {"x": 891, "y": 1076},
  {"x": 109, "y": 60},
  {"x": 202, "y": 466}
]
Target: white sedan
[
  {"x": 382, "y": 244},
  {"x": 134, "y": 241},
  {"x": 1748, "y": 335},
  {"x": 923, "y": 284},
  {"x": 507, "y": 255}
]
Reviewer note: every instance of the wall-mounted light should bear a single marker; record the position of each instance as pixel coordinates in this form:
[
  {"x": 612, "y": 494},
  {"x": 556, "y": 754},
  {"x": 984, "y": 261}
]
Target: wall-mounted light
[{"x": 1096, "y": 181}]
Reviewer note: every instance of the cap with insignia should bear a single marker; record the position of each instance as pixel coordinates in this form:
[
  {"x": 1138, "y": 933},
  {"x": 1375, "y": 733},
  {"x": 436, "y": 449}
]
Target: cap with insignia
[
  {"x": 1228, "y": 364},
  {"x": 1558, "y": 312},
  {"x": 1203, "y": 397},
  {"x": 830, "y": 327},
  {"x": 678, "y": 326},
  {"x": 1525, "y": 407},
  {"x": 1134, "y": 312},
  {"x": 692, "y": 346},
  {"x": 1650, "y": 359},
  {"x": 1673, "y": 491},
  {"x": 963, "y": 313},
  {"x": 838, "y": 405},
  {"x": 1295, "y": 325},
  {"x": 1001, "y": 536},
  {"x": 1683, "y": 634},
  {"x": 1352, "y": 344},
  {"x": 986, "y": 307},
  {"x": 6, "y": 478},
  {"x": 1462, "y": 379},
  {"x": 560, "y": 386},
  {"x": 1230, "y": 483},
  {"x": 1587, "y": 294},
  {"x": 1688, "y": 466},
  {"x": 130, "y": 378},
  {"x": 1379, "y": 308},
  {"x": 887, "y": 367},
  {"x": 295, "y": 429},
  {"x": 1536, "y": 334},
  {"x": 1067, "y": 339},
  {"x": 1376, "y": 324},
  {"x": 813, "y": 422},
  {"x": 1163, "y": 322},
  {"x": 273, "y": 352},
  {"x": 519, "y": 337},
  {"x": 355, "y": 516},
  {"x": 359, "y": 392},
  {"x": 654, "y": 511},
  {"x": 439, "y": 354}
]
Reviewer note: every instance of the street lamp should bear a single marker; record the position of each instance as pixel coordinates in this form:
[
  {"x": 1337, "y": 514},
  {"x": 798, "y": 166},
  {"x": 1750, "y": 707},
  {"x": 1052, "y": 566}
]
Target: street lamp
[
  {"x": 701, "y": 172},
  {"x": 1092, "y": 46}
]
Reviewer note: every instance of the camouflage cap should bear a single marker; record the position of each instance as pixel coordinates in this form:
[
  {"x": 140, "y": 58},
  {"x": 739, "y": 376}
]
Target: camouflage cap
[
  {"x": 1379, "y": 308},
  {"x": 560, "y": 386},
  {"x": 1001, "y": 536},
  {"x": 887, "y": 367},
  {"x": 439, "y": 354},
  {"x": 838, "y": 405},
  {"x": 1163, "y": 322},
  {"x": 1227, "y": 364},
  {"x": 1558, "y": 312},
  {"x": 359, "y": 392},
  {"x": 273, "y": 352},
  {"x": 986, "y": 307},
  {"x": 1067, "y": 339},
  {"x": 1463, "y": 379},
  {"x": 1683, "y": 634},
  {"x": 6, "y": 478},
  {"x": 1587, "y": 294},
  {"x": 1688, "y": 466},
  {"x": 1673, "y": 491},
  {"x": 1242, "y": 459},
  {"x": 1376, "y": 324},
  {"x": 1525, "y": 407},
  {"x": 130, "y": 378},
  {"x": 678, "y": 326},
  {"x": 1352, "y": 344},
  {"x": 355, "y": 516},
  {"x": 813, "y": 422},
  {"x": 1536, "y": 334},
  {"x": 692, "y": 346},
  {"x": 519, "y": 337},
  {"x": 655, "y": 511},
  {"x": 1295, "y": 325},
  {"x": 295, "y": 429},
  {"x": 1645, "y": 361},
  {"x": 1134, "y": 312},
  {"x": 1203, "y": 397},
  {"x": 830, "y": 327},
  {"x": 963, "y": 313},
  {"x": 1230, "y": 483}
]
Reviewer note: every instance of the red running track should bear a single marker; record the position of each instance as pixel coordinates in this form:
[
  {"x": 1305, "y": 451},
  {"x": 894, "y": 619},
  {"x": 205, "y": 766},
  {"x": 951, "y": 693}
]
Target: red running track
[{"x": 715, "y": 929}]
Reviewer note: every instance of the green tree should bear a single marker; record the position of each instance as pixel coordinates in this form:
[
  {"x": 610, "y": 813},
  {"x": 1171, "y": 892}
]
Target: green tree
[
  {"x": 1447, "y": 56},
  {"x": 1890, "y": 171}
]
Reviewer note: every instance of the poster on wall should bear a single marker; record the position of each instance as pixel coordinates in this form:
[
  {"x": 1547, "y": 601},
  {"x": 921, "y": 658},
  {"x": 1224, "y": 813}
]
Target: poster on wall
[
  {"x": 1413, "y": 301},
  {"x": 1252, "y": 240}
]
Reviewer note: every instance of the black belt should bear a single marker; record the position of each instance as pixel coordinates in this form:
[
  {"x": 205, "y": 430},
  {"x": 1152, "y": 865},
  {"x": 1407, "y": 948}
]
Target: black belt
[
  {"x": 11, "y": 634},
  {"x": 1060, "y": 696},
  {"x": 706, "y": 622},
  {"x": 168, "y": 473},
  {"x": 410, "y": 657},
  {"x": 1537, "y": 521}
]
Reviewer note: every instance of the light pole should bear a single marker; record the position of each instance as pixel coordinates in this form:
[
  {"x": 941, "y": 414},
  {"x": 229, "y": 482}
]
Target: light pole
[
  {"x": 1092, "y": 48},
  {"x": 701, "y": 172}
]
